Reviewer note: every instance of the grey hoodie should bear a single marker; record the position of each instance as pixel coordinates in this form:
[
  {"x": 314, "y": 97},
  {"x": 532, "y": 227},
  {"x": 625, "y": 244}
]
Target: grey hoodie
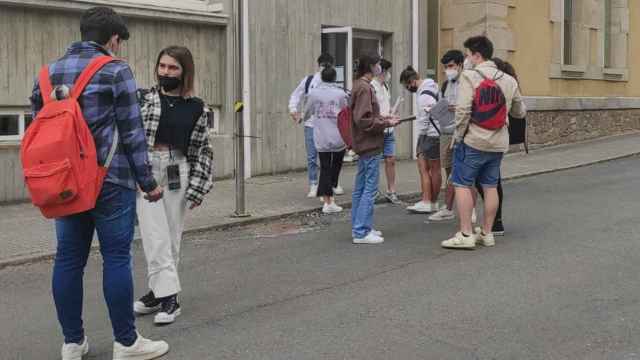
[{"x": 324, "y": 102}]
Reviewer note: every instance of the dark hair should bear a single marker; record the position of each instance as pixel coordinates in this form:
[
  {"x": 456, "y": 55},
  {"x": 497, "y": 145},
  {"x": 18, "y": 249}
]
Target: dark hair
[
  {"x": 481, "y": 45},
  {"x": 100, "y": 23},
  {"x": 328, "y": 74},
  {"x": 365, "y": 63},
  {"x": 325, "y": 59},
  {"x": 408, "y": 74},
  {"x": 452, "y": 55},
  {"x": 505, "y": 67},
  {"x": 185, "y": 59},
  {"x": 385, "y": 64}
]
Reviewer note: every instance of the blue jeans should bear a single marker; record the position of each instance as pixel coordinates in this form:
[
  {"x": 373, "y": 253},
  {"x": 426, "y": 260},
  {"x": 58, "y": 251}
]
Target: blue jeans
[
  {"x": 113, "y": 219},
  {"x": 312, "y": 155},
  {"x": 471, "y": 166},
  {"x": 389, "y": 145},
  {"x": 364, "y": 192}
]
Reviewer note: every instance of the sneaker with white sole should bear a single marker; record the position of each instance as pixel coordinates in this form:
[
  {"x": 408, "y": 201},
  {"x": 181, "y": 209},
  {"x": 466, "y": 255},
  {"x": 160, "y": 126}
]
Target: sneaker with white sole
[
  {"x": 148, "y": 304},
  {"x": 338, "y": 190},
  {"x": 170, "y": 311},
  {"x": 331, "y": 208},
  {"x": 393, "y": 198},
  {"x": 75, "y": 351},
  {"x": 443, "y": 215},
  {"x": 369, "y": 239},
  {"x": 498, "y": 228},
  {"x": 487, "y": 240},
  {"x": 422, "y": 207},
  {"x": 460, "y": 241},
  {"x": 142, "y": 349},
  {"x": 313, "y": 191}
]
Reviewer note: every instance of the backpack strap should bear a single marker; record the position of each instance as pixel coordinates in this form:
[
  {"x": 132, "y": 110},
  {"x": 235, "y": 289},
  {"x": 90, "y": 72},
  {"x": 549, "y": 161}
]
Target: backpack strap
[
  {"x": 443, "y": 90},
  {"x": 87, "y": 74},
  {"x": 430, "y": 93},
  {"x": 307, "y": 84},
  {"x": 45, "y": 85}
]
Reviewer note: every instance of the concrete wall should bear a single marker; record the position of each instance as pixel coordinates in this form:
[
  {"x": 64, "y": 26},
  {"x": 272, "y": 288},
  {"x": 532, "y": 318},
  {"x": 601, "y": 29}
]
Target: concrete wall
[{"x": 285, "y": 40}]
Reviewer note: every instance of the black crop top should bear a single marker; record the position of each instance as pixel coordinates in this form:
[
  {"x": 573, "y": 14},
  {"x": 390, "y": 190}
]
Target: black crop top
[{"x": 178, "y": 118}]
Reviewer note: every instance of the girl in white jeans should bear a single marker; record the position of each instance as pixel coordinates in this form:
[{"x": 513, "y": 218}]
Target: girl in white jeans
[{"x": 181, "y": 159}]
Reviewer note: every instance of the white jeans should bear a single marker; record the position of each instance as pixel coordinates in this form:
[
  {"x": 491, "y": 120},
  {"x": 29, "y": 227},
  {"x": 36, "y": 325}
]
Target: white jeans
[{"x": 161, "y": 225}]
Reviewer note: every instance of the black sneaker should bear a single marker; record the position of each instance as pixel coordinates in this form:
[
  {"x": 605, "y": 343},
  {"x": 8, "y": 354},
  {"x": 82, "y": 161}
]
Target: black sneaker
[
  {"x": 147, "y": 304},
  {"x": 498, "y": 228},
  {"x": 169, "y": 312}
]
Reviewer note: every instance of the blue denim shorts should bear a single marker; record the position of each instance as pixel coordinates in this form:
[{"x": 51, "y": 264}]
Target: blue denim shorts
[
  {"x": 471, "y": 166},
  {"x": 389, "y": 145}
]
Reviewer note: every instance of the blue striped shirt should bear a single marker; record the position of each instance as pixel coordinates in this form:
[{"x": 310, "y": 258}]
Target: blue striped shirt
[{"x": 110, "y": 98}]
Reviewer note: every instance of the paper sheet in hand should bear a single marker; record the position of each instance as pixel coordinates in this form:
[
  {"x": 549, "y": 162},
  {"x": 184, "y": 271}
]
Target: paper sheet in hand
[
  {"x": 440, "y": 112},
  {"x": 410, "y": 118}
]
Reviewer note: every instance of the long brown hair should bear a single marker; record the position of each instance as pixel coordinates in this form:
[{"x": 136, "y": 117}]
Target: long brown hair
[{"x": 185, "y": 59}]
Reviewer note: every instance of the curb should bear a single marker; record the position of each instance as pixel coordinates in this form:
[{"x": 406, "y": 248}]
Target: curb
[{"x": 31, "y": 259}]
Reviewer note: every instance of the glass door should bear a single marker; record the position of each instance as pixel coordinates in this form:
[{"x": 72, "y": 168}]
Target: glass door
[{"x": 339, "y": 43}]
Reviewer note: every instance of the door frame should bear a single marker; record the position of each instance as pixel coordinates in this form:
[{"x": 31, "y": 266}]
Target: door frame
[{"x": 348, "y": 71}]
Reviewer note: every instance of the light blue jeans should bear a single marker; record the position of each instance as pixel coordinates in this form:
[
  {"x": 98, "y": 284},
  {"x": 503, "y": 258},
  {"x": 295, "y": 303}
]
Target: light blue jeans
[
  {"x": 364, "y": 193},
  {"x": 312, "y": 155}
]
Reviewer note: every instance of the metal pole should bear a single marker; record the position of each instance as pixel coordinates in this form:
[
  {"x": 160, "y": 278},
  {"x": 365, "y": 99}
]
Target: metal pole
[{"x": 239, "y": 121}]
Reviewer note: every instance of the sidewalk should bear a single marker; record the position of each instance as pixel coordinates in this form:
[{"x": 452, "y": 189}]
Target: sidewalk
[{"x": 25, "y": 236}]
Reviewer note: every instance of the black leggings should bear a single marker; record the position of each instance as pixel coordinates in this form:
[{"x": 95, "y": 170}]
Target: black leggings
[
  {"x": 500, "y": 196},
  {"x": 330, "y": 167}
]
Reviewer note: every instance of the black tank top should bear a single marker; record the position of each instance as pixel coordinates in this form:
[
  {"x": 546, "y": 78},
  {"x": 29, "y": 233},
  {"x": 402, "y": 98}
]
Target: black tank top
[{"x": 177, "y": 120}]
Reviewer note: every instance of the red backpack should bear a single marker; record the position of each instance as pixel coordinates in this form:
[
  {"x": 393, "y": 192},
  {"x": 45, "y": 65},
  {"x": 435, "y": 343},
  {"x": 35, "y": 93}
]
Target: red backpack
[
  {"x": 58, "y": 152},
  {"x": 345, "y": 117},
  {"x": 489, "y": 109}
]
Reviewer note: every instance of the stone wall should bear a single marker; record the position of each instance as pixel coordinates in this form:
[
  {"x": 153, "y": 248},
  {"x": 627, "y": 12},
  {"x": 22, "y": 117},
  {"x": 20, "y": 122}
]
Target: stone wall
[{"x": 546, "y": 128}]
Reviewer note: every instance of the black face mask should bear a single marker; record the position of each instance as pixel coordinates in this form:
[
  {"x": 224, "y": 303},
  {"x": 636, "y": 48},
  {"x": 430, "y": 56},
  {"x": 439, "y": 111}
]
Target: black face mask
[
  {"x": 413, "y": 89},
  {"x": 169, "y": 83}
]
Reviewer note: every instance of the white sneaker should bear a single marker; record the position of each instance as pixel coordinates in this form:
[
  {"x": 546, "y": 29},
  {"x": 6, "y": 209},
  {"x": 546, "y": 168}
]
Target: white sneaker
[
  {"x": 75, "y": 351},
  {"x": 369, "y": 239},
  {"x": 460, "y": 242},
  {"x": 313, "y": 191},
  {"x": 422, "y": 207},
  {"x": 474, "y": 217},
  {"x": 376, "y": 232},
  {"x": 338, "y": 190},
  {"x": 331, "y": 208},
  {"x": 443, "y": 215},
  {"x": 487, "y": 240},
  {"x": 142, "y": 349}
]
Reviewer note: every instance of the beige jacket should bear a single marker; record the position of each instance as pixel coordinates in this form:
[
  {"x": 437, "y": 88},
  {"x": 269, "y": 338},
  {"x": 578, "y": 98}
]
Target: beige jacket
[{"x": 473, "y": 135}]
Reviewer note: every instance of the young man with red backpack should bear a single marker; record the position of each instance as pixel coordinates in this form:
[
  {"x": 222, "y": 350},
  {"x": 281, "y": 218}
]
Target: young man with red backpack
[
  {"x": 486, "y": 96},
  {"x": 96, "y": 96}
]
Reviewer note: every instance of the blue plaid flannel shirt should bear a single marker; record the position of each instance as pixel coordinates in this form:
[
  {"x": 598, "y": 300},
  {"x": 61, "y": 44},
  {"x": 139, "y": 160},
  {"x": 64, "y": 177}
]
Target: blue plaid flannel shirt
[{"x": 109, "y": 98}]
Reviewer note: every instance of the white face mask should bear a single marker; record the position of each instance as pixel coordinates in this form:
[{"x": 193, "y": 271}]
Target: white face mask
[
  {"x": 468, "y": 65},
  {"x": 451, "y": 74}
]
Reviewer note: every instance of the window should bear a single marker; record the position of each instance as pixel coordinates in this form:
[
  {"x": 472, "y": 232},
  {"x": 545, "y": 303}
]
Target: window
[
  {"x": 608, "y": 30},
  {"x": 567, "y": 36},
  {"x": 213, "y": 118},
  {"x": 13, "y": 123}
]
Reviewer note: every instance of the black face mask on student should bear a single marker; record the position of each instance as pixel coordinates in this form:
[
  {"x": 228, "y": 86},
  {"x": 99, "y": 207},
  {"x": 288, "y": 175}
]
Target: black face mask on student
[
  {"x": 169, "y": 83},
  {"x": 413, "y": 89}
]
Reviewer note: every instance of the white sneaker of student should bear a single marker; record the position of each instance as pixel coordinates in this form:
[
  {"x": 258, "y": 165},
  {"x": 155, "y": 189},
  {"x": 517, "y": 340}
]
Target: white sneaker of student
[
  {"x": 443, "y": 215},
  {"x": 142, "y": 349},
  {"x": 338, "y": 190},
  {"x": 331, "y": 208},
  {"x": 313, "y": 191},
  {"x": 422, "y": 207},
  {"x": 75, "y": 351},
  {"x": 371, "y": 238}
]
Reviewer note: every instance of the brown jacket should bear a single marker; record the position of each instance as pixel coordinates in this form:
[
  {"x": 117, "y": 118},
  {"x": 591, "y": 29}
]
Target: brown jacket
[{"x": 368, "y": 125}]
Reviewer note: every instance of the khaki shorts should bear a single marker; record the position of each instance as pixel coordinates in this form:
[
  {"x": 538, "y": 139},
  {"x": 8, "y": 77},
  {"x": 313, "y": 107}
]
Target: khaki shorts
[{"x": 446, "y": 152}]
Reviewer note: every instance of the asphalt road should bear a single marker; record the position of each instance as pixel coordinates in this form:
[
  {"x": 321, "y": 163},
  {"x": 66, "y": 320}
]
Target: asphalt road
[{"x": 563, "y": 284}]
